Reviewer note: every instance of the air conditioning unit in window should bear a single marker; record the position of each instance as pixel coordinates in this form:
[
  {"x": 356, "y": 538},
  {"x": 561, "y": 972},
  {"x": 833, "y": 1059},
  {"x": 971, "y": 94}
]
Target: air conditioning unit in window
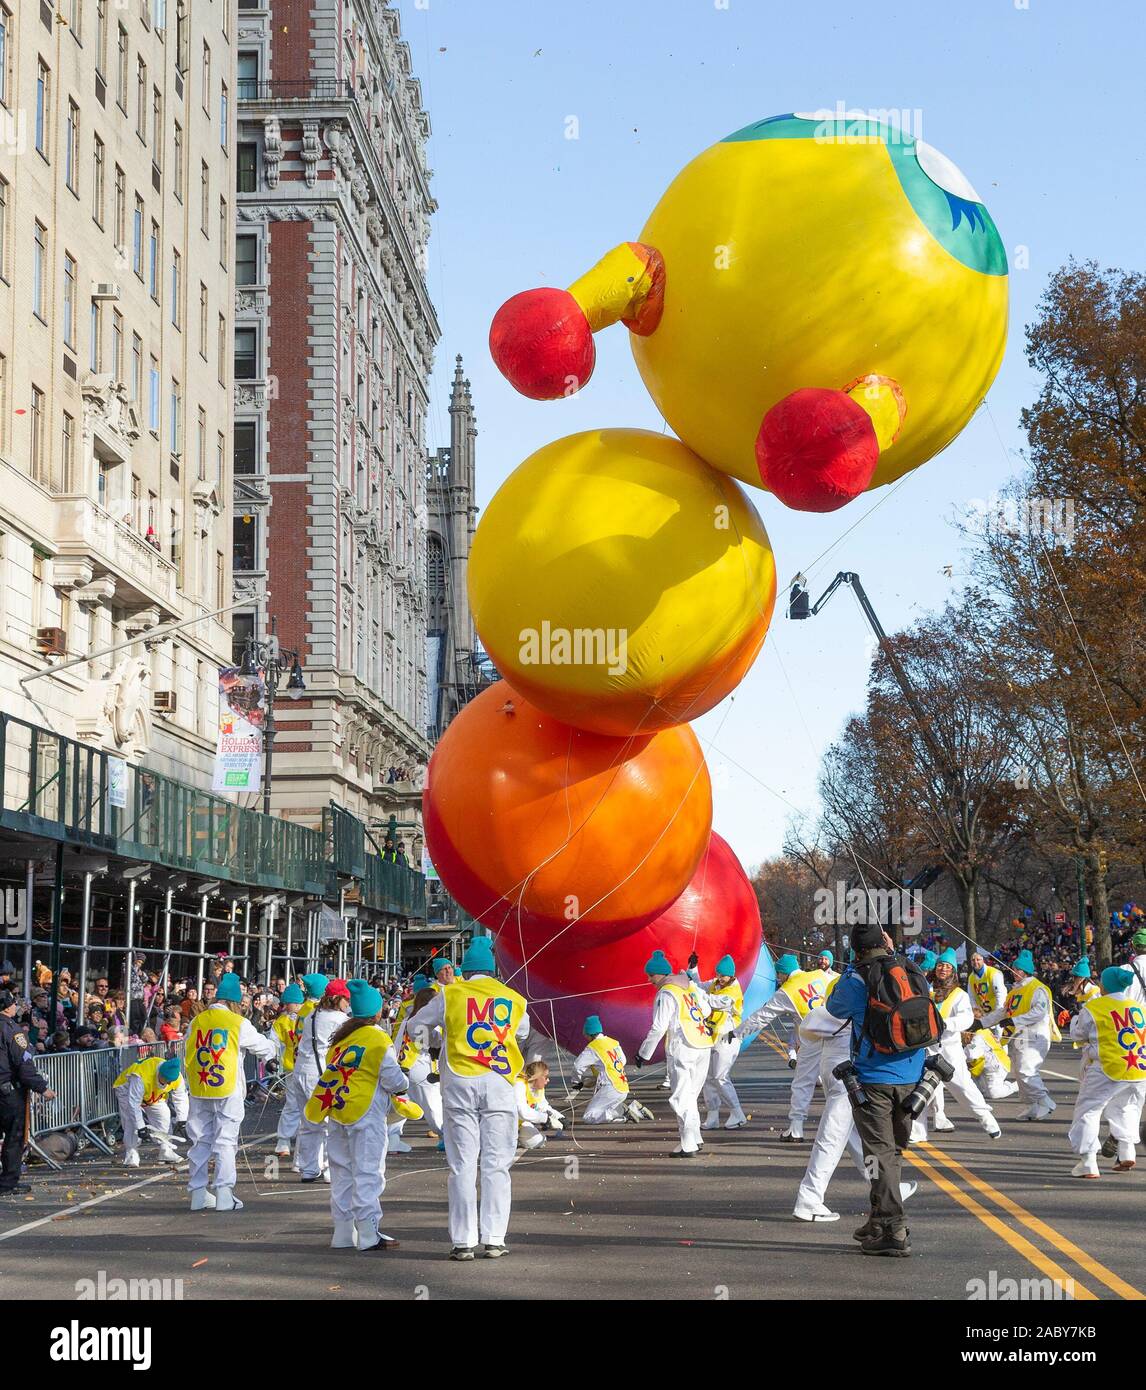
[
  {"x": 163, "y": 702},
  {"x": 104, "y": 289},
  {"x": 52, "y": 641}
]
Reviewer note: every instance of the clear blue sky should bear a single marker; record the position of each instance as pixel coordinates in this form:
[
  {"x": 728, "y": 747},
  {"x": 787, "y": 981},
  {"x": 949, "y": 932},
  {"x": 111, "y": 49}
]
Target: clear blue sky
[{"x": 1040, "y": 107}]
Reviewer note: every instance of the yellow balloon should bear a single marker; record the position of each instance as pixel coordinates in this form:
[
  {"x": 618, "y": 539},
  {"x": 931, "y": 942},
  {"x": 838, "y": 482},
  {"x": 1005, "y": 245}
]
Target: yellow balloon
[
  {"x": 619, "y": 583},
  {"x": 806, "y": 253}
]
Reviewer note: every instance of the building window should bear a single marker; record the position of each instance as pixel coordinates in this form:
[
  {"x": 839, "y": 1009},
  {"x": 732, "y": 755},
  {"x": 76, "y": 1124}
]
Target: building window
[
  {"x": 246, "y": 541},
  {"x": 243, "y": 624},
  {"x": 206, "y": 79},
  {"x": 246, "y": 447},
  {"x": 121, "y": 70},
  {"x": 248, "y": 72},
  {"x": 222, "y": 350},
  {"x": 205, "y": 199},
  {"x": 202, "y": 460},
  {"x": 204, "y": 318},
  {"x": 68, "y": 453},
  {"x": 136, "y": 369},
  {"x": 157, "y": 127},
  {"x": 141, "y": 99},
  {"x": 36, "y": 452},
  {"x": 39, "y": 261},
  {"x": 120, "y": 229},
  {"x": 220, "y": 579},
  {"x": 224, "y": 233},
  {"x": 97, "y": 180},
  {"x": 246, "y": 260},
  {"x": 72, "y": 149},
  {"x": 95, "y": 334},
  {"x": 43, "y": 105},
  {"x": 101, "y": 37},
  {"x": 178, "y": 161},
  {"x": 153, "y": 262},
  {"x": 159, "y": 14},
  {"x": 116, "y": 345},
  {"x": 4, "y": 268},
  {"x": 153, "y": 397},
  {"x": 247, "y": 171},
  {"x": 5, "y": 55},
  {"x": 137, "y": 238},
  {"x": 220, "y": 458},
  {"x": 69, "y": 301},
  {"x": 224, "y": 115},
  {"x": 246, "y": 354},
  {"x": 176, "y": 434},
  {"x": 176, "y": 288}
]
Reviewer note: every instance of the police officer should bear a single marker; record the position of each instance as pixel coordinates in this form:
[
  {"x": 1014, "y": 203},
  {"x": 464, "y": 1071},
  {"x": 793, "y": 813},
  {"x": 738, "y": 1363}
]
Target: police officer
[{"x": 17, "y": 1075}]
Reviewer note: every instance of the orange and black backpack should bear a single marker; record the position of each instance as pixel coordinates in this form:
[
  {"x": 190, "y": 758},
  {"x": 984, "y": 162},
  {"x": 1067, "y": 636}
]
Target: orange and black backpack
[{"x": 901, "y": 1016}]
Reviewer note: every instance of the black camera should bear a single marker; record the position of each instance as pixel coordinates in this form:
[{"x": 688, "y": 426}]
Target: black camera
[
  {"x": 846, "y": 1072},
  {"x": 936, "y": 1070}
]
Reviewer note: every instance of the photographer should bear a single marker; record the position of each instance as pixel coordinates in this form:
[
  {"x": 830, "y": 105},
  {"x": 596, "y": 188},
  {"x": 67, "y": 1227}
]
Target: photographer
[{"x": 885, "y": 998}]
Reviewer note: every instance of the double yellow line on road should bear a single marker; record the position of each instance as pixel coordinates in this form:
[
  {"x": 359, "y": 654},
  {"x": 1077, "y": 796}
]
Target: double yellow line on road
[{"x": 1018, "y": 1242}]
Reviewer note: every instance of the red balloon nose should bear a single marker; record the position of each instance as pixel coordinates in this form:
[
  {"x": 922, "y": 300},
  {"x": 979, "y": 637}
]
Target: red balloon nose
[
  {"x": 542, "y": 344},
  {"x": 816, "y": 450}
]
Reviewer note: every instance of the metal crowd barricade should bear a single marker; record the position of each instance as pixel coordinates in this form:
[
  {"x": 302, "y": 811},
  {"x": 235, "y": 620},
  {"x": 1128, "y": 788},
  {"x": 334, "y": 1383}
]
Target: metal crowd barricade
[{"x": 84, "y": 1083}]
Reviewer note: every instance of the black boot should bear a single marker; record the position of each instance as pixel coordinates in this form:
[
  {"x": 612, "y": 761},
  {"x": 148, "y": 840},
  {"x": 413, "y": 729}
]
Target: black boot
[
  {"x": 869, "y": 1229},
  {"x": 886, "y": 1242}
]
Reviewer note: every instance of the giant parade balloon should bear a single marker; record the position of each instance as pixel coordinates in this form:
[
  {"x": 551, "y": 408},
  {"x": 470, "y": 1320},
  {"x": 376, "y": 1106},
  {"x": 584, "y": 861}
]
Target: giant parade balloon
[
  {"x": 586, "y": 972},
  {"x": 817, "y": 305},
  {"x": 556, "y": 830},
  {"x": 620, "y": 583}
]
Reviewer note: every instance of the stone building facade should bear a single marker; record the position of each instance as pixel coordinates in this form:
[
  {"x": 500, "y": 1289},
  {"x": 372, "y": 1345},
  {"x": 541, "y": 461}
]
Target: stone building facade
[
  {"x": 334, "y": 340},
  {"x": 117, "y": 165}
]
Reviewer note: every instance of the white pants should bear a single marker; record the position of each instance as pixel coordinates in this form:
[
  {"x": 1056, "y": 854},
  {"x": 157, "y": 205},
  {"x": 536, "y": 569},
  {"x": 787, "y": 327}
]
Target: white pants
[
  {"x": 718, "y": 1088},
  {"x": 213, "y": 1129},
  {"x": 687, "y": 1068},
  {"x": 804, "y": 1083},
  {"x": 605, "y": 1104},
  {"x": 358, "y": 1168},
  {"x": 290, "y": 1116},
  {"x": 427, "y": 1094},
  {"x": 835, "y": 1132},
  {"x": 995, "y": 1082},
  {"x": 529, "y": 1136},
  {"x": 480, "y": 1134},
  {"x": 1119, "y": 1102},
  {"x": 1028, "y": 1051},
  {"x": 156, "y": 1117},
  {"x": 962, "y": 1087}
]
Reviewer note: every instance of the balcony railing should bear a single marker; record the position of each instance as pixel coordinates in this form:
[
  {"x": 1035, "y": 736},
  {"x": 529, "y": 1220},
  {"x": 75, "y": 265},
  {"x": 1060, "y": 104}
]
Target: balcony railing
[
  {"x": 296, "y": 89},
  {"x": 61, "y": 789}
]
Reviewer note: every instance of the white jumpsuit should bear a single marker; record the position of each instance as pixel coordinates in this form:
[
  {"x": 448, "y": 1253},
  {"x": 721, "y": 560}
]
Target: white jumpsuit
[
  {"x": 829, "y": 1041},
  {"x": 780, "y": 1008},
  {"x": 533, "y": 1112},
  {"x": 960, "y": 1019},
  {"x": 685, "y": 1065},
  {"x": 317, "y": 1030},
  {"x": 134, "y": 1115},
  {"x": 607, "y": 1103},
  {"x": 290, "y": 1116},
  {"x": 427, "y": 1094},
  {"x": 480, "y": 1134},
  {"x": 357, "y": 1156},
  {"x": 718, "y": 1087},
  {"x": 213, "y": 1125},
  {"x": 994, "y": 1080},
  {"x": 1028, "y": 1046},
  {"x": 1119, "y": 1102}
]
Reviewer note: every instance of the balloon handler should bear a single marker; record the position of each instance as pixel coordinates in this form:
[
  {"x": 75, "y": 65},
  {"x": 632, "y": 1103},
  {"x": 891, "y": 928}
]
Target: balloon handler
[
  {"x": 611, "y": 1100},
  {"x": 680, "y": 1016},
  {"x": 359, "y": 1080},
  {"x": 148, "y": 1093}
]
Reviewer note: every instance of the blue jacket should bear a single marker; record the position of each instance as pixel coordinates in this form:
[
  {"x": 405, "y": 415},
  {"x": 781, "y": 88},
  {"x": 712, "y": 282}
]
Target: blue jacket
[{"x": 849, "y": 1000}]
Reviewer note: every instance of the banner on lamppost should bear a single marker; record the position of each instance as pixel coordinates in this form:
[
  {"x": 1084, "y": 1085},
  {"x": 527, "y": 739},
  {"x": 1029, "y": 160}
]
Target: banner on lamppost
[
  {"x": 117, "y": 783},
  {"x": 242, "y": 713},
  {"x": 428, "y": 870}
]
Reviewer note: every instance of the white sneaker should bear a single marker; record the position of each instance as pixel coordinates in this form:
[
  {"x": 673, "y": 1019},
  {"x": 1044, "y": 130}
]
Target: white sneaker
[
  {"x": 736, "y": 1122},
  {"x": 907, "y": 1190},
  {"x": 944, "y": 1125},
  {"x": 169, "y": 1156},
  {"x": 225, "y": 1200},
  {"x": 1010, "y": 1089},
  {"x": 1086, "y": 1167},
  {"x": 711, "y": 1123},
  {"x": 131, "y": 1158},
  {"x": 282, "y": 1151},
  {"x": 345, "y": 1236},
  {"x": 818, "y": 1213},
  {"x": 1043, "y": 1110},
  {"x": 202, "y": 1199},
  {"x": 399, "y": 1146},
  {"x": 918, "y": 1133},
  {"x": 794, "y": 1134}
]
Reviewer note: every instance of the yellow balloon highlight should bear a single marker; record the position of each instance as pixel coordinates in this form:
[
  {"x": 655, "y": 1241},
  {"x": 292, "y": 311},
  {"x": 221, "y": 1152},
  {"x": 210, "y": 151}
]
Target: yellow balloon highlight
[{"x": 619, "y": 583}]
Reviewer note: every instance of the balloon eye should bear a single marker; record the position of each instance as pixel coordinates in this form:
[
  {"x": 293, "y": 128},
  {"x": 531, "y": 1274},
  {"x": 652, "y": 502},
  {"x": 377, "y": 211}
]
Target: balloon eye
[{"x": 943, "y": 173}]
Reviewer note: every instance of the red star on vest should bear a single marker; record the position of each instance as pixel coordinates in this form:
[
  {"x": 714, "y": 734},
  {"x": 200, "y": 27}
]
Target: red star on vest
[
  {"x": 326, "y": 1100},
  {"x": 202, "y": 1078}
]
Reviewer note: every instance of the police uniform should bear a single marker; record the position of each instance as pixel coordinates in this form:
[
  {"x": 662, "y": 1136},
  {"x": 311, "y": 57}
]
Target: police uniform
[{"x": 18, "y": 1075}]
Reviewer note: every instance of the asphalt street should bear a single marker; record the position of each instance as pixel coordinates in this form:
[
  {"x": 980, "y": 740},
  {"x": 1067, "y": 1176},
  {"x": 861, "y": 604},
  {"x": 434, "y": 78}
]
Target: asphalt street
[{"x": 606, "y": 1213}]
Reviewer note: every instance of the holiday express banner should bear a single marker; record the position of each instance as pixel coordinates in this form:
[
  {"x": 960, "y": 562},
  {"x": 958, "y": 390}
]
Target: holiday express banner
[{"x": 239, "y": 751}]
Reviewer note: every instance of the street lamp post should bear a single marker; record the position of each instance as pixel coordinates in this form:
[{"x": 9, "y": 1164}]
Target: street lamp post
[{"x": 273, "y": 660}]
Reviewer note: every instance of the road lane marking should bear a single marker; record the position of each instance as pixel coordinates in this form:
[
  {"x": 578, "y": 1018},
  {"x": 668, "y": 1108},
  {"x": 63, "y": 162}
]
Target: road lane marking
[
  {"x": 1013, "y": 1239},
  {"x": 1040, "y": 1228}
]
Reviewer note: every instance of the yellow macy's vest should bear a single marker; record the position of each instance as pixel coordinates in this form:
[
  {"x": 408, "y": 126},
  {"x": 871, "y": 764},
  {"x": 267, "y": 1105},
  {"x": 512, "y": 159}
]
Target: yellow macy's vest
[
  {"x": 808, "y": 989},
  {"x": 482, "y": 1019},
  {"x": 211, "y": 1053},
  {"x": 1020, "y": 998},
  {"x": 983, "y": 987},
  {"x": 154, "y": 1090},
  {"x": 350, "y": 1078},
  {"x": 950, "y": 1001},
  {"x": 996, "y": 1047},
  {"x": 287, "y": 1030},
  {"x": 718, "y": 1019},
  {"x": 693, "y": 1023},
  {"x": 1121, "y": 1037},
  {"x": 609, "y": 1051}
]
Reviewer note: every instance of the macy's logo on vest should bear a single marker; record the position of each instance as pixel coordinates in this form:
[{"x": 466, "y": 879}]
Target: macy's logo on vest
[
  {"x": 343, "y": 1065},
  {"x": 209, "y": 1048},
  {"x": 489, "y": 1016}
]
